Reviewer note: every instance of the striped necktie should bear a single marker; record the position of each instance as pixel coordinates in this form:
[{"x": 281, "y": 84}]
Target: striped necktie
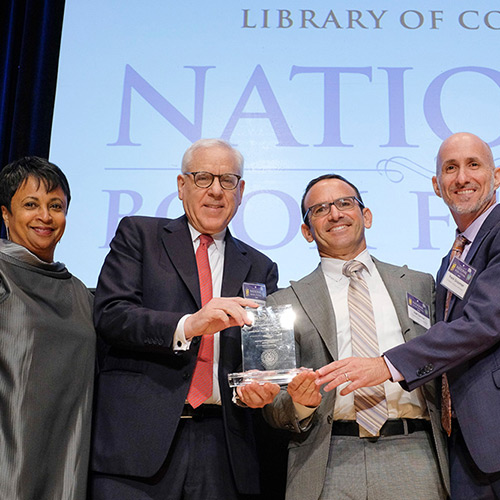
[
  {"x": 369, "y": 402},
  {"x": 202, "y": 382},
  {"x": 456, "y": 251}
]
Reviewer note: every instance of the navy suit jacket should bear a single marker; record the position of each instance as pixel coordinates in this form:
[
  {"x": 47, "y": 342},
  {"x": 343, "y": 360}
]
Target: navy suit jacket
[
  {"x": 148, "y": 282},
  {"x": 467, "y": 348}
]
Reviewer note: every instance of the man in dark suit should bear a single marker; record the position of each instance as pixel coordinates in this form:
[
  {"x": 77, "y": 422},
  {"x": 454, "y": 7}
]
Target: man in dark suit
[
  {"x": 149, "y": 441},
  {"x": 333, "y": 454},
  {"x": 464, "y": 344}
]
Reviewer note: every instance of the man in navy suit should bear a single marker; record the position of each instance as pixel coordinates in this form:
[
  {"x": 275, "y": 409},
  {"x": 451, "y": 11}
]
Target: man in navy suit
[
  {"x": 148, "y": 441},
  {"x": 464, "y": 344}
]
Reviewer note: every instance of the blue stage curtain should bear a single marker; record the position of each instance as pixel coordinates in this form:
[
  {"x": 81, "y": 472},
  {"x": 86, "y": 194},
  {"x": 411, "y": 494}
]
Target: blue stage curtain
[{"x": 30, "y": 36}]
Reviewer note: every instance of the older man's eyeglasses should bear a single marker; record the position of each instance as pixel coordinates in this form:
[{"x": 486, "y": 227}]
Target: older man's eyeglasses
[
  {"x": 341, "y": 204},
  {"x": 206, "y": 179}
]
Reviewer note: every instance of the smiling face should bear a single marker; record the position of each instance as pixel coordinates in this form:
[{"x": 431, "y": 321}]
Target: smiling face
[
  {"x": 339, "y": 235},
  {"x": 37, "y": 219},
  {"x": 466, "y": 177},
  {"x": 209, "y": 210}
]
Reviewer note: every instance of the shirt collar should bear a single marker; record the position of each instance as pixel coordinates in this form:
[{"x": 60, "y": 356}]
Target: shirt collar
[
  {"x": 218, "y": 237},
  {"x": 471, "y": 232},
  {"x": 333, "y": 267}
]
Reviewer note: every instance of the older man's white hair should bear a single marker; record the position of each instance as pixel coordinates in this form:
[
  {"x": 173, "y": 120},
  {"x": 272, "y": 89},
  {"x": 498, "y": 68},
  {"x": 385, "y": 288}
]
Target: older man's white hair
[{"x": 210, "y": 143}]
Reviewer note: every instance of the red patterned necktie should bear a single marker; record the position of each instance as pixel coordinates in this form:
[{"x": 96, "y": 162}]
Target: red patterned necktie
[
  {"x": 456, "y": 251},
  {"x": 202, "y": 381}
]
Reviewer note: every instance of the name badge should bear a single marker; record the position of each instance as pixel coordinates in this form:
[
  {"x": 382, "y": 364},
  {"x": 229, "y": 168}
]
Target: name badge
[
  {"x": 418, "y": 311},
  {"x": 458, "y": 277},
  {"x": 255, "y": 292}
]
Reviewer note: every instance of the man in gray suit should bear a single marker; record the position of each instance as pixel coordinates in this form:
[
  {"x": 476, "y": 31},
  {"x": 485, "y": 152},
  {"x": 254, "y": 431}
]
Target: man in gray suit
[
  {"x": 331, "y": 456},
  {"x": 464, "y": 343}
]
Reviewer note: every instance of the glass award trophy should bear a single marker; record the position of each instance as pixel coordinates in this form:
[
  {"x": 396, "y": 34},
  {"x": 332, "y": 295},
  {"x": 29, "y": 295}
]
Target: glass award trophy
[{"x": 268, "y": 347}]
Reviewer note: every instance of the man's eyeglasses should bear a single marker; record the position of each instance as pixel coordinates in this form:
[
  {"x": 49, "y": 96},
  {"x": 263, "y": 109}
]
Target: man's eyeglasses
[
  {"x": 341, "y": 204},
  {"x": 206, "y": 179}
]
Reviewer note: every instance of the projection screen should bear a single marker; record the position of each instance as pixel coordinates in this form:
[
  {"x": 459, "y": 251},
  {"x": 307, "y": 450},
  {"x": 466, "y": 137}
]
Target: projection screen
[{"x": 360, "y": 88}]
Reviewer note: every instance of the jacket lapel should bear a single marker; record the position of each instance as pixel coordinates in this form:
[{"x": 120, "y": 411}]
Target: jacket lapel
[
  {"x": 176, "y": 240},
  {"x": 236, "y": 267},
  {"x": 394, "y": 279},
  {"x": 314, "y": 297},
  {"x": 485, "y": 229},
  {"x": 441, "y": 291}
]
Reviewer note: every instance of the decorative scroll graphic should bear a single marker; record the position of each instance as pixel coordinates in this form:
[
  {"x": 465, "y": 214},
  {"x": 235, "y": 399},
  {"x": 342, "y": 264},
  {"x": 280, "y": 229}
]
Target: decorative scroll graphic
[{"x": 393, "y": 168}]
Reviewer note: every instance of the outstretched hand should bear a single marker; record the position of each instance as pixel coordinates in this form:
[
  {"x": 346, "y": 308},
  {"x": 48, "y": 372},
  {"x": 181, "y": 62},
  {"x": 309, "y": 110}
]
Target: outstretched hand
[
  {"x": 218, "y": 314},
  {"x": 257, "y": 396},
  {"x": 304, "y": 390},
  {"x": 360, "y": 372}
]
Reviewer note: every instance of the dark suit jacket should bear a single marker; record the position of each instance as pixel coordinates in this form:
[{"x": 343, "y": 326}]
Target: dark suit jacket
[
  {"x": 467, "y": 348},
  {"x": 316, "y": 346},
  {"x": 148, "y": 282}
]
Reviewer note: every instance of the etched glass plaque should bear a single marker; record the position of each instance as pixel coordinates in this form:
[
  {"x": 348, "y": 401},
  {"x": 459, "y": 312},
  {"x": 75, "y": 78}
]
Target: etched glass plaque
[{"x": 268, "y": 347}]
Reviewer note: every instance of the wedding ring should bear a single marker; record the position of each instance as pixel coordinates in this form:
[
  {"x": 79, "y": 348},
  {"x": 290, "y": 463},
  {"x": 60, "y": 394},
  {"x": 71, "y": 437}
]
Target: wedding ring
[{"x": 347, "y": 379}]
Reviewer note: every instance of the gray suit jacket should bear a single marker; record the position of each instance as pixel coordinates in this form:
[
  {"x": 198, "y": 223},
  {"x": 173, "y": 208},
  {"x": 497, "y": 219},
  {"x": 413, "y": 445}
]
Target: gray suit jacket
[{"x": 316, "y": 346}]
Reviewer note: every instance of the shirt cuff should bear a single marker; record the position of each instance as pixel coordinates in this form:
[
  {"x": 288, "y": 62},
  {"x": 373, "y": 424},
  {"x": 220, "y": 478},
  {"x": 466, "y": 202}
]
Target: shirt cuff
[
  {"x": 302, "y": 412},
  {"x": 180, "y": 341},
  {"x": 395, "y": 374}
]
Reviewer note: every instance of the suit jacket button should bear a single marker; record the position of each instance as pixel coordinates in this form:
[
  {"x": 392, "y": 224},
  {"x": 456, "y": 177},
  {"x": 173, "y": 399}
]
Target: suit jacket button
[
  {"x": 329, "y": 419},
  {"x": 185, "y": 375}
]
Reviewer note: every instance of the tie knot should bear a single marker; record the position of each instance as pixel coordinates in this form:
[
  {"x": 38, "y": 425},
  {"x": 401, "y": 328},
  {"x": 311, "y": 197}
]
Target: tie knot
[
  {"x": 460, "y": 242},
  {"x": 351, "y": 267},
  {"x": 206, "y": 240}
]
